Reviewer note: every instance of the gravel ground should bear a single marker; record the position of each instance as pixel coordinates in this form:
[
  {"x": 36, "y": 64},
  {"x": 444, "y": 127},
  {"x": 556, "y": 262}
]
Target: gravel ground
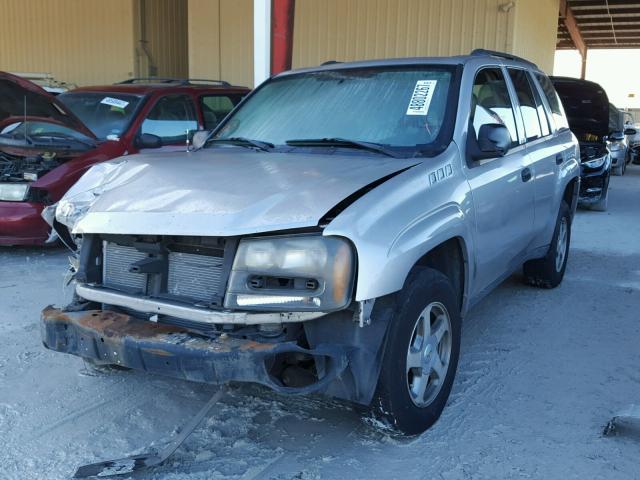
[{"x": 540, "y": 374}]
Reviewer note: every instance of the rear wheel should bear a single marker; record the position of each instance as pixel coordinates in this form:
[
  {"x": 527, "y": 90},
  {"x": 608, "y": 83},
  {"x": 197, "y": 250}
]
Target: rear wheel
[
  {"x": 548, "y": 271},
  {"x": 421, "y": 354}
]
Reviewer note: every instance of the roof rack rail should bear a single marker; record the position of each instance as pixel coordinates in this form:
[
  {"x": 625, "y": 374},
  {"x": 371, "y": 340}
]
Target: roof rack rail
[
  {"x": 329, "y": 62},
  {"x": 179, "y": 81},
  {"x": 494, "y": 53}
]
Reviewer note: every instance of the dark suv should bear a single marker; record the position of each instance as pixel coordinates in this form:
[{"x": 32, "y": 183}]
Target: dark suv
[
  {"x": 587, "y": 107},
  {"x": 47, "y": 142}
]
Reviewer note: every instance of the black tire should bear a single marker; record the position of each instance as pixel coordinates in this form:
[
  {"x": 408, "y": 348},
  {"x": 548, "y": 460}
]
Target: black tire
[
  {"x": 393, "y": 403},
  {"x": 603, "y": 204},
  {"x": 619, "y": 170},
  {"x": 544, "y": 272}
]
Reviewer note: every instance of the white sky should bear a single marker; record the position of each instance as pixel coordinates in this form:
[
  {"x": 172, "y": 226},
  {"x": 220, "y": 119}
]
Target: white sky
[{"x": 618, "y": 71}]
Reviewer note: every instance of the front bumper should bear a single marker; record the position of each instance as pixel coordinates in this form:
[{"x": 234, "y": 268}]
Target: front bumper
[
  {"x": 21, "y": 224},
  {"x": 172, "y": 351},
  {"x": 593, "y": 183},
  {"x": 618, "y": 157}
]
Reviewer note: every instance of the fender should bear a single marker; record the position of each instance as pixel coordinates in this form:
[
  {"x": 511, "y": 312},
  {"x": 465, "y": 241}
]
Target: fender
[{"x": 398, "y": 222}]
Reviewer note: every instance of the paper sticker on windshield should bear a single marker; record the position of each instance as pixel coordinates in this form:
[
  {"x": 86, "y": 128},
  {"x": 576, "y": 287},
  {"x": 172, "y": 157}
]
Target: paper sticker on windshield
[
  {"x": 114, "y": 102},
  {"x": 421, "y": 98}
]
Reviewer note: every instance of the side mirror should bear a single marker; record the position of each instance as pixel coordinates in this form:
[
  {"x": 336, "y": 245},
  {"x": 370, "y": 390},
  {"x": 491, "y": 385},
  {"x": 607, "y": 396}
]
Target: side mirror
[
  {"x": 199, "y": 139},
  {"x": 630, "y": 131},
  {"x": 148, "y": 140},
  {"x": 616, "y": 136},
  {"x": 494, "y": 140}
]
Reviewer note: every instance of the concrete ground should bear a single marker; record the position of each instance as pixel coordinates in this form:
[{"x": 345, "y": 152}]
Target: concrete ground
[{"x": 541, "y": 372}]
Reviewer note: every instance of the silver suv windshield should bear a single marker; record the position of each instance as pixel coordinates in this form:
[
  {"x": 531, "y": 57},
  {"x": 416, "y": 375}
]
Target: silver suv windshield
[{"x": 394, "y": 107}]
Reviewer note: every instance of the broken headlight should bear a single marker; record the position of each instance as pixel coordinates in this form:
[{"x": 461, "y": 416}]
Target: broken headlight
[
  {"x": 83, "y": 194},
  {"x": 70, "y": 211},
  {"x": 297, "y": 273},
  {"x": 13, "y": 192}
]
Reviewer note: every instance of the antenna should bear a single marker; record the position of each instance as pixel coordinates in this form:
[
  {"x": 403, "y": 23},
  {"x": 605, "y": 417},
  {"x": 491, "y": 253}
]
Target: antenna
[{"x": 26, "y": 132}]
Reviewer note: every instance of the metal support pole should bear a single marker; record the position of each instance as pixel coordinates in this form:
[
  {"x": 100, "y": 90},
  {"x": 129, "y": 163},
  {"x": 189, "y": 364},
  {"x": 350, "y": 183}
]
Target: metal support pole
[{"x": 261, "y": 41}]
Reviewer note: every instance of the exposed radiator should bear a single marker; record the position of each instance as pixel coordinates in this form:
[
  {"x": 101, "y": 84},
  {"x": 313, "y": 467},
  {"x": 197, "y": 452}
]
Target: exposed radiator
[
  {"x": 194, "y": 276},
  {"x": 115, "y": 270},
  {"x": 190, "y": 276}
]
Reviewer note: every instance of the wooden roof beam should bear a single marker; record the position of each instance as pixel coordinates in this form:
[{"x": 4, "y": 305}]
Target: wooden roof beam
[{"x": 571, "y": 24}]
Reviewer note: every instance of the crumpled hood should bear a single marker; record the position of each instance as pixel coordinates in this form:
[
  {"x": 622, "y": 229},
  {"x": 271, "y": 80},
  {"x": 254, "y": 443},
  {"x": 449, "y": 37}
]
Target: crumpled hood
[
  {"x": 16, "y": 93},
  {"x": 224, "y": 191}
]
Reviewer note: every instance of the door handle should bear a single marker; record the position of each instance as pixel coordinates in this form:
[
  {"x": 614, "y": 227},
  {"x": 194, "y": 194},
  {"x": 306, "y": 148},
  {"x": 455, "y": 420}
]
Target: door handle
[
  {"x": 526, "y": 174},
  {"x": 559, "y": 159}
]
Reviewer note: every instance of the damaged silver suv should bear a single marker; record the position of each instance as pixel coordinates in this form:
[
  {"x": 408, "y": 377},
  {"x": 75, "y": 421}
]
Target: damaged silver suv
[{"x": 330, "y": 234}]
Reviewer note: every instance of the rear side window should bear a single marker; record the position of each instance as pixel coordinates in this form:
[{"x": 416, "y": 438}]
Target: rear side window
[
  {"x": 528, "y": 105},
  {"x": 491, "y": 102},
  {"x": 545, "y": 121},
  {"x": 554, "y": 101},
  {"x": 170, "y": 119},
  {"x": 215, "y": 108}
]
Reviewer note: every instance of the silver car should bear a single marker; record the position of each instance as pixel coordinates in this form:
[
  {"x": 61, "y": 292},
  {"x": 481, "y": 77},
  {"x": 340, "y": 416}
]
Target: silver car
[
  {"x": 330, "y": 235},
  {"x": 619, "y": 140}
]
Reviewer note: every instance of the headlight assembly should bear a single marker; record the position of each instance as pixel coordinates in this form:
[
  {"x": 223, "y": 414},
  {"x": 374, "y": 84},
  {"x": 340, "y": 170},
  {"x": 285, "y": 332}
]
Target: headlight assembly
[
  {"x": 596, "y": 162},
  {"x": 615, "y": 146},
  {"x": 297, "y": 273},
  {"x": 13, "y": 192}
]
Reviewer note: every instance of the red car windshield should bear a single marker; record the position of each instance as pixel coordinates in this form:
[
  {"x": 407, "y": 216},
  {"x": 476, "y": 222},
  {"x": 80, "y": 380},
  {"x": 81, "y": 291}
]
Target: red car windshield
[{"x": 107, "y": 115}]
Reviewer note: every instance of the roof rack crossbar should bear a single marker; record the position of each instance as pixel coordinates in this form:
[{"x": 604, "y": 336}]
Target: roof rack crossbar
[
  {"x": 179, "y": 81},
  {"x": 494, "y": 53}
]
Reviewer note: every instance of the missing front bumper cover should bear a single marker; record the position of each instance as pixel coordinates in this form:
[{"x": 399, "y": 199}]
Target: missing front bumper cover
[{"x": 172, "y": 351}]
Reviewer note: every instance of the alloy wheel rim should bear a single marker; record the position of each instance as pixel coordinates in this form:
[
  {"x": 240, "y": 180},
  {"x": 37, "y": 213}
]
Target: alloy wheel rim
[
  {"x": 429, "y": 354},
  {"x": 561, "y": 247}
]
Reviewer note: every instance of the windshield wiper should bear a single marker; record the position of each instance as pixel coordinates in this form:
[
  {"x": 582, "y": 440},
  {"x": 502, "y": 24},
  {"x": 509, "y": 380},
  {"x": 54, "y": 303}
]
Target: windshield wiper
[
  {"x": 64, "y": 136},
  {"x": 342, "y": 142},
  {"x": 244, "y": 142}
]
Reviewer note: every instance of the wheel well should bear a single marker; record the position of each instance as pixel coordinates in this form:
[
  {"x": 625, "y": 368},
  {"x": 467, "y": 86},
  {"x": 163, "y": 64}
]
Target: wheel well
[
  {"x": 570, "y": 192},
  {"x": 448, "y": 258}
]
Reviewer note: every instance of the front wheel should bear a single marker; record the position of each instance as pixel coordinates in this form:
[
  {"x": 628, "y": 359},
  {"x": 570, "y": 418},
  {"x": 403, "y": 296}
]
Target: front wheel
[
  {"x": 548, "y": 271},
  {"x": 619, "y": 170},
  {"x": 421, "y": 353},
  {"x": 602, "y": 204}
]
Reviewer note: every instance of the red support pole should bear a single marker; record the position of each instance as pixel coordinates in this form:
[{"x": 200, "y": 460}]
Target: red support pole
[{"x": 282, "y": 13}]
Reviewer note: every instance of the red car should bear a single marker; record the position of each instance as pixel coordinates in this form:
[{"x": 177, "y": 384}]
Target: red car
[{"x": 47, "y": 142}]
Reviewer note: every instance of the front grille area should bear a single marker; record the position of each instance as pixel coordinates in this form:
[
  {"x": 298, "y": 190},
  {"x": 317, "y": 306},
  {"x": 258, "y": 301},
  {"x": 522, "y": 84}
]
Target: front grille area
[
  {"x": 194, "y": 276},
  {"x": 115, "y": 270},
  {"x": 190, "y": 273}
]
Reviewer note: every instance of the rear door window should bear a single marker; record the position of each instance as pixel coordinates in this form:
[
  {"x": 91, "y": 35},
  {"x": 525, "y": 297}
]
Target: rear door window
[
  {"x": 528, "y": 105},
  {"x": 550, "y": 93},
  {"x": 215, "y": 108},
  {"x": 545, "y": 121},
  {"x": 171, "y": 118},
  {"x": 491, "y": 102}
]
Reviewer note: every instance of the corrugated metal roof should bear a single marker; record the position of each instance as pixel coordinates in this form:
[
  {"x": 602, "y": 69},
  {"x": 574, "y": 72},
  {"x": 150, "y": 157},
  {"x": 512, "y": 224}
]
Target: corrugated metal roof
[{"x": 603, "y": 24}]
